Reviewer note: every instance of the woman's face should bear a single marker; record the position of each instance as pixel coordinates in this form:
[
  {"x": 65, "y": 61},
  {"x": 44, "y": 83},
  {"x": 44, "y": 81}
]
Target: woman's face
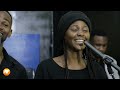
[{"x": 76, "y": 34}]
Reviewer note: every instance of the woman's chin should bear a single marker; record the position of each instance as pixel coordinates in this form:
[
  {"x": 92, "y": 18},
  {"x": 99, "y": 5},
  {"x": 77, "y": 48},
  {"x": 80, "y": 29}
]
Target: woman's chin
[{"x": 80, "y": 48}]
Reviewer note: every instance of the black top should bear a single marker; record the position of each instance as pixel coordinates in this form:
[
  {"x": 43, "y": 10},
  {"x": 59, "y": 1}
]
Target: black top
[
  {"x": 16, "y": 69},
  {"x": 49, "y": 69}
]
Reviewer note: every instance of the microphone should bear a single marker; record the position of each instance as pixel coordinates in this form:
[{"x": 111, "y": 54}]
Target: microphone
[
  {"x": 108, "y": 59},
  {"x": 0, "y": 37},
  {"x": 103, "y": 56},
  {"x": 94, "y": 49}
]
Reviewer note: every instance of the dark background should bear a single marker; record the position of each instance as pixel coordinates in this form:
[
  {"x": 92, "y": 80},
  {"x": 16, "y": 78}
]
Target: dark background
[{"x": 108, "y": 21}]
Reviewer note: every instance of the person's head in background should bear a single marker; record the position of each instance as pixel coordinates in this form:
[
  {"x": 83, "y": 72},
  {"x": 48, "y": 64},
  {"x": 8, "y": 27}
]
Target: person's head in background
[
  {"x": 5, "y": 25},
  {"x": 99, "y": 39}
]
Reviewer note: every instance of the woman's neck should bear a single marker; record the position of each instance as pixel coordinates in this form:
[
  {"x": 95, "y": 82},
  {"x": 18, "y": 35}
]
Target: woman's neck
[
  {"x": 75, "y": 60},
  {"x": 74, "y": 56}
]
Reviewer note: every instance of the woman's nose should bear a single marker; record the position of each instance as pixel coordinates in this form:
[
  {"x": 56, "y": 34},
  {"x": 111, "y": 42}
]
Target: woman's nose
[
  {"x": 80, "y": 32},
  {"x": 1, "y": 27}
]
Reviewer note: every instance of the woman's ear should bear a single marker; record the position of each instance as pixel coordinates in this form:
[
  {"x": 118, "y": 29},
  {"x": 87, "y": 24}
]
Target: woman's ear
[{"x": 10, "y": 33}]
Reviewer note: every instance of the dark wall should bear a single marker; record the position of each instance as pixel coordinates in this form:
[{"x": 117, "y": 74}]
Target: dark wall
[
  {"x": 108, "y": 21},
  {"x": 56, "y": 17}
]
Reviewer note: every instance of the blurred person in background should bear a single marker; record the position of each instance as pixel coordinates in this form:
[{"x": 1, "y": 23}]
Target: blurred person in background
[{"x": 99, "y": 39}]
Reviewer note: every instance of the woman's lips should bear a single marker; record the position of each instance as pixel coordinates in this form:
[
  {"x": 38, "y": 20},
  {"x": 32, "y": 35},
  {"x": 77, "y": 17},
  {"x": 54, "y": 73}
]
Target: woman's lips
[{"x": 79, "y": 41}]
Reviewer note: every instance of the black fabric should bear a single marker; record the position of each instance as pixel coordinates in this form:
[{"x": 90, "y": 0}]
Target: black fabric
[
  {"x": 48, "y": 69},
  {"x": 67, "y": 19},
  {"x": 17, "y": 70}
]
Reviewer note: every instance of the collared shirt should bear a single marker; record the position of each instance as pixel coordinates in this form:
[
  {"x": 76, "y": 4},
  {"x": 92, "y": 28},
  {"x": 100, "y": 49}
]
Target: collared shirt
[{"x": 17, "y": 70}]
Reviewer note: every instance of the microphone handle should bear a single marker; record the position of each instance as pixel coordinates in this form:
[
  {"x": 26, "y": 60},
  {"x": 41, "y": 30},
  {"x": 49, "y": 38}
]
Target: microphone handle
[
  {"x": 95, "y": 50},
  {"x": 106, "y": 58},
  {"x": 0, "y": 37}
]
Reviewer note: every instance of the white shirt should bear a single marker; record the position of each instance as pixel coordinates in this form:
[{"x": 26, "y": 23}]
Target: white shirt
[{"x": 116, "y": 75}]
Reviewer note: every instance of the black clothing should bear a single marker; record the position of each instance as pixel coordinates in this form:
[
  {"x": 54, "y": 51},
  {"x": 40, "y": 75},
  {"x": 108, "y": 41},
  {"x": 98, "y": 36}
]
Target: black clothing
[
  {"x": 99, "y": 62},
  {"x": 102, "y": 63},
  {"x": 48, "y": 69},
  {"x": 16, "y": 69}
]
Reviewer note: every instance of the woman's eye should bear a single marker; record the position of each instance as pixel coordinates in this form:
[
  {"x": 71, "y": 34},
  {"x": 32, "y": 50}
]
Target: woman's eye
[
  {"x": 74, "y": 29},
  {"x": 85, "y": 30},
  {"x": 6, "y": 25}
]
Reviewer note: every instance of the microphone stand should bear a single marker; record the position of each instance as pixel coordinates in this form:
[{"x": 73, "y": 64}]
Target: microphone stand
[
  {"x": 107, "y": 59},
  {"x": 110, "y": 71}
]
